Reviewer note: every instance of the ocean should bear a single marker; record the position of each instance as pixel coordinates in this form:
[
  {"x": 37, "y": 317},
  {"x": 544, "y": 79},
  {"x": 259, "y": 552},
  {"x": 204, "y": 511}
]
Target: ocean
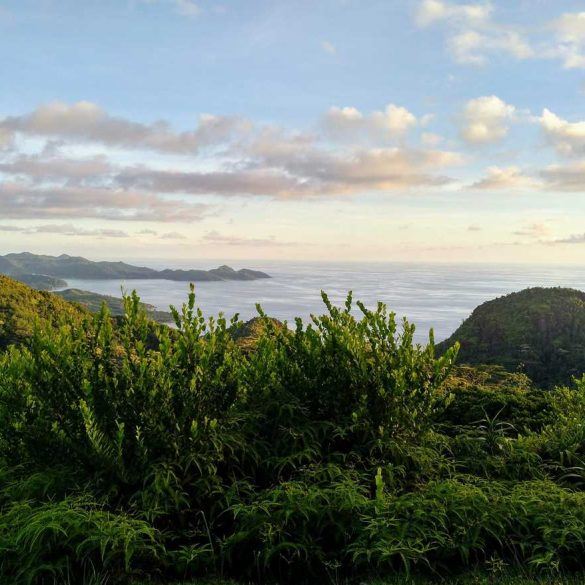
[{"x": 440, "y": 296}]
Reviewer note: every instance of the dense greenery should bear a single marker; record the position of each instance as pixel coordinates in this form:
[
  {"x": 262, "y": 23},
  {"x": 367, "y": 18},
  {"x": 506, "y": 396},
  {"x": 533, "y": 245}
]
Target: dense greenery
[
  {"x": 93, "y": 302},
  {"x": 334, "y": 450},
  {"x": 540, "y": 331},
  {"x": 21, "y": 307}
]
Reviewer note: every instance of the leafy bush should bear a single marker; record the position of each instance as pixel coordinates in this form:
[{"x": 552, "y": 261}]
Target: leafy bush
[{"x": 330, "y": 450}]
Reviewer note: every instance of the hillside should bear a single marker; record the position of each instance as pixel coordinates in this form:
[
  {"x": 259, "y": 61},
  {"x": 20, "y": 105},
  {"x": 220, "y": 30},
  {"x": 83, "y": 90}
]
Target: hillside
[
  {"x": 40, "y": 281},
  {"x": 93, "y": 302},
  {"x": 539, "y": 331},
  {"x": 65, "y": 266},
  {"x": 20, "y": 305}
]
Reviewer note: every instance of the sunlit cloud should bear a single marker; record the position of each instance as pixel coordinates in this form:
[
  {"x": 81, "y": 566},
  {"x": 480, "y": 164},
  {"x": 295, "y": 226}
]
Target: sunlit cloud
[{"x": 486, "y": 120}]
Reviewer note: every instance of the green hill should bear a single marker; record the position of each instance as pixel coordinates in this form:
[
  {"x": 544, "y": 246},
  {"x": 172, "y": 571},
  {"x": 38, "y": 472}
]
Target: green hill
[
  {"x": 20, "y": 305},
  {"x": 93, "y": 302},
  {"x": 40, "y": 281},
  {"x": 539, "y": 331}
]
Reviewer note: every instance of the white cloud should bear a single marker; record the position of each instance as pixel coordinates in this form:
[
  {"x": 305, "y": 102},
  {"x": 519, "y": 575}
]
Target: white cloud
[
  {"x": 571, "y": 27},
  {"x": 349, "y": 123},
  {"x": 433, "y": 11},
  {"x": 486, "y": 120},
  {"x": 570, "y": 40},
  {"x": 473, "y": 36},
  {"x": 472, "y": 48},
  {"x": 567, "y": 137},
  {"x": 505, "y": 178}
]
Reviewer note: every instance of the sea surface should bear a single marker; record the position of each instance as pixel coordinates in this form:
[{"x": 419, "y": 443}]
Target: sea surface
[{"x": 440, "y": 296}]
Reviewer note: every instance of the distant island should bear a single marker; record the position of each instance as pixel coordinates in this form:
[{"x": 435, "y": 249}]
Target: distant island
[{"x": 27, "y": 267}]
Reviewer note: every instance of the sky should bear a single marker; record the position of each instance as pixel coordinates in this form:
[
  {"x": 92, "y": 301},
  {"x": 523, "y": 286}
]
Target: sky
[{"x": 349, "y": 130}]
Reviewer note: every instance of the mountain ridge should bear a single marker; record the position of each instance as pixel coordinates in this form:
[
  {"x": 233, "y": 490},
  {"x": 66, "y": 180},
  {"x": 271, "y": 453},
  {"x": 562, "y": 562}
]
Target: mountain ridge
[{"x": 66, "y": 266}]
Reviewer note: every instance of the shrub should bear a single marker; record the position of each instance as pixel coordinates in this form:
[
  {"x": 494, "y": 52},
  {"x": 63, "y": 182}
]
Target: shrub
[{"x": 324, "y": 451}]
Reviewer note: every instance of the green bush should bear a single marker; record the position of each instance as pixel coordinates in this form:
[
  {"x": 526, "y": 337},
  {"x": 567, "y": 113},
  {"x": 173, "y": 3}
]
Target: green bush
[{"x": 330, "y": 450}]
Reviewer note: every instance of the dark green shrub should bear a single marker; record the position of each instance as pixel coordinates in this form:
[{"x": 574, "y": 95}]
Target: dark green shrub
[{"x": 329, "y": 451}]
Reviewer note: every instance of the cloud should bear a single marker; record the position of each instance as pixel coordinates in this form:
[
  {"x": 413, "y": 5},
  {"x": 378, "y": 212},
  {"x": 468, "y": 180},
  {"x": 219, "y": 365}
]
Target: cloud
[
  {"x": 71, "y": 230},
  {"x": 173, "y": 236},
  {"x": 329, "y": 47},
  {"x": 39, "y": 168},
  {"x": 263, "y": 161},
  {"x": 486, "y": 120},
  {"x": 377, "y": 169},
  {"x": 20, "y": 200},
  {"x": 567, "y": 137},
  {"x": 533, "y": 230},
  {"x": 474, "y": 228},
  {"x": 11, "y": 228},
  {"x": 505, "y": 178},
  {"x": 473, "y": 36},
  {"x": 87, "y": 122},
  {"x": 216, "y": 238},
  {"x": 287, "y": 170},
  {"x": 471, "y": 47},
  {"x": 349, "y": 123},
  {"x": 570, "y": 44},
  {"x": 6, "y": 139},
  {"x": 570, "y": 177},
  {"x": 434, "y": 11},
  {"x": 66, "y": 230},
  {"x": 572, "y": 239}
]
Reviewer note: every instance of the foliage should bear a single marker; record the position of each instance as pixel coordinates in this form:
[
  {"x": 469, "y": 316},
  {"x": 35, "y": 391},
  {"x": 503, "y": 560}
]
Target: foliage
[
  {"x": 21, "y": 306},
  {"x": 93, "y": 302},
  {"x": 539, "y": 331},
  {"x": 333, "y": 450}
]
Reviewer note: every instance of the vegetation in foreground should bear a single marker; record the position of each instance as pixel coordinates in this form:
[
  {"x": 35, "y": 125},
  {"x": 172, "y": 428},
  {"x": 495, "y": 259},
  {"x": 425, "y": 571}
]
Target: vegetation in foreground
[{"x": 337, "y": 450}]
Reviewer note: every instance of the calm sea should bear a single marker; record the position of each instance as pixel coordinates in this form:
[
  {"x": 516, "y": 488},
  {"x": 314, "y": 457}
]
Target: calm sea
[{"x": 429, "y": 295}]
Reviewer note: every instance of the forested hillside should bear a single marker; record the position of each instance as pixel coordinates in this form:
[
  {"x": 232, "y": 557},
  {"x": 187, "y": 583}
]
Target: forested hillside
[
  {"x": 21, "y": 307},
  {"x": 539, "y": 331}
]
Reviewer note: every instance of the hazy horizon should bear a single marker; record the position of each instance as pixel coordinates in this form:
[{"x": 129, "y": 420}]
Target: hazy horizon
[{"x": 396, "y": 130}]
